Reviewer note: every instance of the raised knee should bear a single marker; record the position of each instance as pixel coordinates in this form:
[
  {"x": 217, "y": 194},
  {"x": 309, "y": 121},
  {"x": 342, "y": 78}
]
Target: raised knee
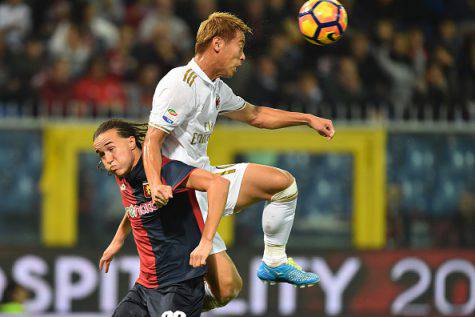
[
  {"x": 289, "y": 189},
  {"x": 229, "y": 290}
]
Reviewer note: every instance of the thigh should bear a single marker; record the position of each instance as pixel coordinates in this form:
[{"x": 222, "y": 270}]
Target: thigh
[
  {"x": 261, "y": 182},
  {"x": 234, "y": 173},
  {"x": 186, "y": 297},
  {"x": 222, "y": 273},
  {"x": 133, "y": 304}
]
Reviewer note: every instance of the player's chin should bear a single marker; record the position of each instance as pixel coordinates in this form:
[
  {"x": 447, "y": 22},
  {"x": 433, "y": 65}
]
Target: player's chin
[
  {"x": 117, "y": 172},
  {"x": 231, "y": 72}
]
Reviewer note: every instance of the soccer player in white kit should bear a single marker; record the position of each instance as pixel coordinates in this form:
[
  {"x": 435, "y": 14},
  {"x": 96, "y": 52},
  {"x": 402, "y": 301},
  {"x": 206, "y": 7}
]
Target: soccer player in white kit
[{"x": 186, "y": 104}]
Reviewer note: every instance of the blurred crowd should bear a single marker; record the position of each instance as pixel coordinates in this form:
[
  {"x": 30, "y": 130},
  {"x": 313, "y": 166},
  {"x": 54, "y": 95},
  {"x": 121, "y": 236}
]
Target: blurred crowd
[{"x": 399, "y": 59}]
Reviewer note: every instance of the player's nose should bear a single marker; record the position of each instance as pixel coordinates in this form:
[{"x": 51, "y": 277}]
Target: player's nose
[
  {"x": 109, "y": 158},
  {"x": 243, "y": 57}
]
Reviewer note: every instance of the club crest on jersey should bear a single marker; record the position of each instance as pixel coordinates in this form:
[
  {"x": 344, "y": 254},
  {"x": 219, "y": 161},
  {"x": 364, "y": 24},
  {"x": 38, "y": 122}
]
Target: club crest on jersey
[
  {"x": 218, "y": 101},
  {"x": 146, "y": 190}
]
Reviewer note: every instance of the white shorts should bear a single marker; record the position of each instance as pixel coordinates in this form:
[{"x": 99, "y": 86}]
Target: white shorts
[{"x": 234, "y": 174}]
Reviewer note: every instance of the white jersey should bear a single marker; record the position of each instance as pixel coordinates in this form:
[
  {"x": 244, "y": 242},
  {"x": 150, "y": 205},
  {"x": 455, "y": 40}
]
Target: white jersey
[{"x": 186, "y": 104}]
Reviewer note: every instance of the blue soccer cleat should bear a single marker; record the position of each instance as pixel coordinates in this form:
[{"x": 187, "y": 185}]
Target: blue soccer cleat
[{"x": 289, "y": 272}]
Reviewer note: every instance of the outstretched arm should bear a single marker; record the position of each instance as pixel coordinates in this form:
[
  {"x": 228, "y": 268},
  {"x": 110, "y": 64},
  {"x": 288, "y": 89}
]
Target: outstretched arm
[
  {"x": 152, "y": 161},
  {"x": 217, "y": 189},
  {"x": 116, "y": 244},
  {"x": 269, "y": 118}
]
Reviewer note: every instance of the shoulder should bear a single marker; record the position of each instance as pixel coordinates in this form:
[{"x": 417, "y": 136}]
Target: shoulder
[
  {"x": 179, "y": 81},
  {"x": 222, "y": 86},
  {"x": 175, "y": 173},
  {"x": 175, "y": 165}
]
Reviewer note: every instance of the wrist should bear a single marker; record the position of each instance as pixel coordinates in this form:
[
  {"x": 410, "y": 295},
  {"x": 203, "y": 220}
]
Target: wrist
[
  {"x": 206, "y": 240},
  {"x": 307, "y": 118},
  {"x": 117, "y": 242}
]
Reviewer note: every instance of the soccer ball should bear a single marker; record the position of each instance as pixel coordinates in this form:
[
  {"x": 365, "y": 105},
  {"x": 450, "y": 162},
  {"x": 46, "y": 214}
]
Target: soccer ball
[{"x": 322, "y": 21}]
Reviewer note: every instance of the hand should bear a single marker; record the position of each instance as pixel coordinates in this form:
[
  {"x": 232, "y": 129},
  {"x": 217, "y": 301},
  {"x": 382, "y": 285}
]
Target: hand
[
  {"x": 161, "y": 194},
  {"x": 200, "y": 253},
  {"x": 108, "y": 254},
  {"x": 323, "y": 126}
]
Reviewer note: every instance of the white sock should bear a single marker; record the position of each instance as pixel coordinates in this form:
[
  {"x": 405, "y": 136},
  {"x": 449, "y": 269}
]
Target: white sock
[
  {"x": 277, "y": 221},
  {"x": 274, "y": 255}
]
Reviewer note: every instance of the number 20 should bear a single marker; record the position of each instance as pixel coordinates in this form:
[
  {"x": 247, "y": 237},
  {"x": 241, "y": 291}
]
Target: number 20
[{"x": 402, "y": 304}]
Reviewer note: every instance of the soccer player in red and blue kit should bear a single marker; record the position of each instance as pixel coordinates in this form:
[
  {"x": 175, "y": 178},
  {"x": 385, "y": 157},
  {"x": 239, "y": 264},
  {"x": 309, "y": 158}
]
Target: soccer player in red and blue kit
[{"x": 172, "y": 241}]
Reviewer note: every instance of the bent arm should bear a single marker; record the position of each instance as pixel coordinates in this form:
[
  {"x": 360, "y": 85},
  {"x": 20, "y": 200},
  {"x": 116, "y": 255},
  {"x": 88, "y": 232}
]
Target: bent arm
[
  {"x": 268, "y": 118},
  {"x": 217, "y": 189}
]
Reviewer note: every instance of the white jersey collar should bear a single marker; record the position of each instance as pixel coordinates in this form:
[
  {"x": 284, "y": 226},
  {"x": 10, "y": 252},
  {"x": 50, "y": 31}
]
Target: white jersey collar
[{"x": 197, "y": 69}]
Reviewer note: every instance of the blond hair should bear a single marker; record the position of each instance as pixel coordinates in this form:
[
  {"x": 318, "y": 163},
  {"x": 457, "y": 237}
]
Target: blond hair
[{"x": 220, "y": 24}]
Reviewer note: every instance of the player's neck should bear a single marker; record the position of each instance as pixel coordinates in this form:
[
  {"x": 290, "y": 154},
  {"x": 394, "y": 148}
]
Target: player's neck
[
  {"x": 137, "y": 156},
  {"x": 207, "y": 65}
]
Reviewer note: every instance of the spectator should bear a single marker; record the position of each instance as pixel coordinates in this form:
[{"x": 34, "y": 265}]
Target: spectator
[
  {"x": 373, "y": 79},
  {"x": 99, "y": 93},
  {"x": 3, "y": 65},
  {"x": 202, "y": 9},
  {"x": 162, "y": 52},
  {"x": 437, "y": 90},
  {"x": 162, "y": 17},
  {"x": 264, "y": 85},
  {"x": 287, "y": 57},
  {"x": 384, "y": 33},
  {"x": 307, "y": 95},
  {"x": 57, "y": 91},
  {"x": 73, "y": 43},
  {"x": 448, "y": 36},
  {"x": 141, "y": 92},
  {"x": 397, "y": 64},
  {"x": 13, "y": 298},
  {"x": 28, "y": 63},
  {"x": 110, "y": 10},
  {"x": 15, "y": 22},
  {"x": 398, "y": 67},
  {"x": 100, "y": 27},
  {"x": 466, "y": 70},
  {"x": 255, "y": 15},
  {"x": 276, "y": 10},
  {"x": 347, "y": 89},
  {"x": 122, "y": 63}
]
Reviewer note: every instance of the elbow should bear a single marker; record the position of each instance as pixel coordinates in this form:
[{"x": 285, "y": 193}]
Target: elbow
[
  {"x": 257, "y": 123},
  {"x": 261, "y": 123},
  {"x": 256, "y": 119}
]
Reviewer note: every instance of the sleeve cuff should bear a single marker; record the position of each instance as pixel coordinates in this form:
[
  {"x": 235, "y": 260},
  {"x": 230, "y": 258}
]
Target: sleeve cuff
[
  {"x": 156, "y": 126},
  {"x": 183, "y": 180},
  {"x": 240, "y": 108}
]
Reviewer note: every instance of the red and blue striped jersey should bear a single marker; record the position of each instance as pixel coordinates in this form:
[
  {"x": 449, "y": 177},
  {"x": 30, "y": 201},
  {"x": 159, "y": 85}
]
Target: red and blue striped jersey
[{"x": 165, "y": 236}]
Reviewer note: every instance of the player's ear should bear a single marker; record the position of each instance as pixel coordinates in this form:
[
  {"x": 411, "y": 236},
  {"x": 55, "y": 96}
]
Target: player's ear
[
  {"x": 132, "y": 143},
  {"x": 217, "y": 43}
]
